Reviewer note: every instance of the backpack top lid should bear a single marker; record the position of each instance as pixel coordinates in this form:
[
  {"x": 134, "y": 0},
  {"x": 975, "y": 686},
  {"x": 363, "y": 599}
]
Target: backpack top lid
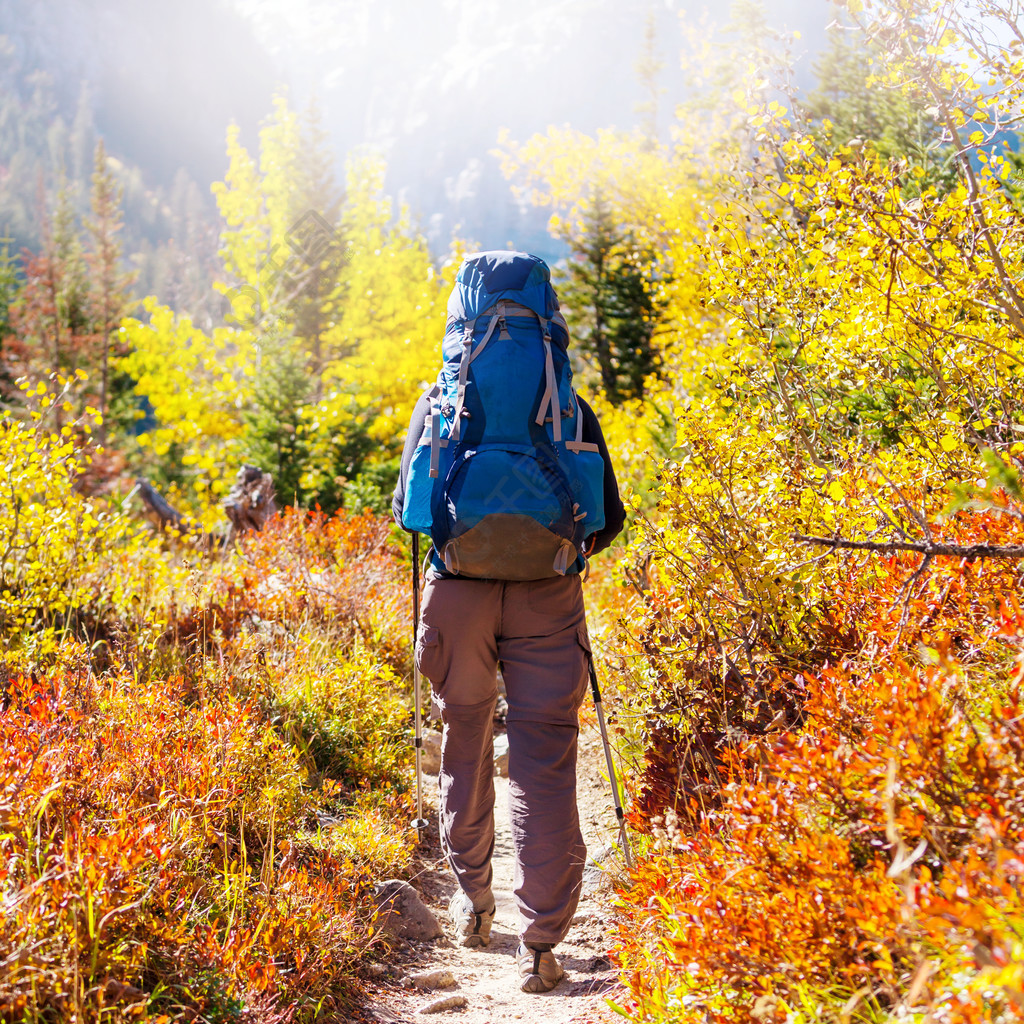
[{"x": 486, "y": 277}]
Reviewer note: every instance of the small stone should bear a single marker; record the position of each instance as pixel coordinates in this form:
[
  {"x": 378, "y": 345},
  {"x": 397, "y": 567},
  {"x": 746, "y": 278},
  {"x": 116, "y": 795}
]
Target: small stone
[
  {"x": 501, "y": 756},
  {"x": 402, "y": 914},
  {"x": 447, "y": 1003},
  {"x": 326, "y": 821},
  {"x": 430, "y": 752},
  {"x": 431, "y": 980},
  {"x": 501, "y": 710}
]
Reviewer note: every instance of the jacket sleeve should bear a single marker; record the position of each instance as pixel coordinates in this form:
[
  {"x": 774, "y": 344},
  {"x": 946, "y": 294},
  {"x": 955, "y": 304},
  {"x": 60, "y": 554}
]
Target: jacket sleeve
[
  {"x": 614, "y": 512},
  {"x": 417, "y": 424}
]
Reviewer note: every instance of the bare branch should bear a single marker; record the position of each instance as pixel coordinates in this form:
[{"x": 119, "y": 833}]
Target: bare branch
[
  {"x": 1015, "y": 305},
  {"x": 969, "y": 552},
  {"x": 906, "y": 593},
  {"x": 801, "y": 433}
]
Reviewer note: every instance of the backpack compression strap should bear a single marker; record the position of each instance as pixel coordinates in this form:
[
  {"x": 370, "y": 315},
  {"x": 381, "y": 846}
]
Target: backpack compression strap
[
  {"x": 497, "y": 320},
  {"x": 460, "y": 399},
  {"x": 579, "y": 445},
  {"x": 436, "y": 444},
  {"x": 549, "y": 403}
]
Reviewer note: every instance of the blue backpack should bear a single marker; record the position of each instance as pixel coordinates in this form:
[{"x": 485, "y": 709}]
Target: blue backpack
[{"x": 501, "y": 478}]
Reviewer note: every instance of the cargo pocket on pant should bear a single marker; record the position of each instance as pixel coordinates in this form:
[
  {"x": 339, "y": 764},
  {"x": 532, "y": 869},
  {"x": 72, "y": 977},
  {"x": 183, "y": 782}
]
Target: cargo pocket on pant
[
  {"x": 429, "y": 655},
  {"x": 583, "y": 639}
]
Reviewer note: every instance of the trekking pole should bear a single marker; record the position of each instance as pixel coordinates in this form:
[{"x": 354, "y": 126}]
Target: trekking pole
[
  {"x": 419, "y": 822},
  {"x": 612, "y": 778}
]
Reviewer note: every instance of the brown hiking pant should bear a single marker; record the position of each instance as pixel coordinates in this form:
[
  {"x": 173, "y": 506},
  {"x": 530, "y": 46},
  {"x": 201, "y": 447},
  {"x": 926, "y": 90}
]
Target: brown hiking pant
[{"x": 537, "y": 631}]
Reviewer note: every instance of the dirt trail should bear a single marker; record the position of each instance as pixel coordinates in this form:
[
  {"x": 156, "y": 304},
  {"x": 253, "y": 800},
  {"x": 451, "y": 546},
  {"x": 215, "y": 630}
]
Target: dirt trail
[{"x": 487, "y": 977}]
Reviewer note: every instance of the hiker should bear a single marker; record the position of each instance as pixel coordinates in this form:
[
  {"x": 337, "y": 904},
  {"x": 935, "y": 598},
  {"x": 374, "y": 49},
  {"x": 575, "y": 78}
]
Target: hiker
[{"x": 508, "y": 470}]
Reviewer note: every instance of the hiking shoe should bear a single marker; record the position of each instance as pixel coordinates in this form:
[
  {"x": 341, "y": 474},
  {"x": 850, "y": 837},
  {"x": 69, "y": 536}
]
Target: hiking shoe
[
  {"x": 539, "y": 969},
  {"x": 471, "y": 928}
]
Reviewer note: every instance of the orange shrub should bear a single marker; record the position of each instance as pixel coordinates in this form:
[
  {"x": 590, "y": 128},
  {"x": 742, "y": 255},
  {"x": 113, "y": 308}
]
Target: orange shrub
[
  {"x": 872, "y": 858},
  {"x": 159, "y": 852},
  {"x": 343, "y": 570}
]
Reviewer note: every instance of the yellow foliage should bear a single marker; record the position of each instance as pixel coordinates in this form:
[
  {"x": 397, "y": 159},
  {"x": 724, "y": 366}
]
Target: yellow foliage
[
  {"x": 246, "y": 241},
  {"x": 52, "y": 538},
  {"x": 393, "y": 318},
  {"x": 368, "y": 326},
  {"x": 653, "y": 190},
  {"x": 197, "y": 384}
]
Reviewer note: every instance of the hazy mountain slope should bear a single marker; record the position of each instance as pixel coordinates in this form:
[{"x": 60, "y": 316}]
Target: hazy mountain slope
[
  {"x": 431, "y": 83},
  {"x": 427, "y": 82},
  {"x": 159, "y": 83},
  {"x": 163, "y": 80}
]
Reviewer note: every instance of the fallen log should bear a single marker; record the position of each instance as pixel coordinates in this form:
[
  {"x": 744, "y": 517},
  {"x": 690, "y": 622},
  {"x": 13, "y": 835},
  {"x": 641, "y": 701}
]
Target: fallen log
[{"x": 248, "y": 505}]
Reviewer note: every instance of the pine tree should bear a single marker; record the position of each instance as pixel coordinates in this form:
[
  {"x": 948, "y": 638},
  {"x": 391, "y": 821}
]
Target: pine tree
[
  {"x": 648, "y": 68},
  {"x": 317, "y": 242},
  {"x": 187, "y": 264},
  {"x": 51, "y": 316},
  {"x": 859, "y": 111},
  {"x": 611, "y": 312},
  {"x": 81, "y": 142},
  {"x": 109, "y": 286},
  {"x": 276, "y": 433},
  {"x": 9, "y": 288}
]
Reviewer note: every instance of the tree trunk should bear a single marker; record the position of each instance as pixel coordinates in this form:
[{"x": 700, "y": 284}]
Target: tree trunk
[
  {"x": 250, "y": 502},
  {"x": 248, "y": 506}
]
